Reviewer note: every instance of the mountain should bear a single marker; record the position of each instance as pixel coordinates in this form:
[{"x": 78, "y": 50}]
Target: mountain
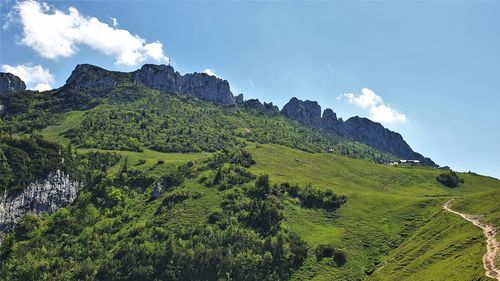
[
  {"x": 213, "y": 89},
  {"x": 158, "y": 77},
  {"x": 10, "y": 83},
  {"x": 153, "y": 175},
  {"x": 360, "y": 129}
]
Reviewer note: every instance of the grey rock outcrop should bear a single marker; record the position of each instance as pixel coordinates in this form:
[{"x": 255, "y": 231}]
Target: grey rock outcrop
[
  {"x": 11, "y": 83},
  {"x": 254, "y": 104},
  {"x": 306, "y": 112},
  {"x": 375, "y": 135},
  {"x": 271, "y": 108},
  {"x": 239, "y": 99},
  {"x": 266, "y": 107},
  {"x": 48, "y": 195},
  {"x": 159, "y": 190},
  {"x": 159, "y": 77},
  {"x": 200, "y": 85},
  {"x": 330, "y": 122},
  {"x": 87, "y": 76},
  {"x": 360, "y": 129}
]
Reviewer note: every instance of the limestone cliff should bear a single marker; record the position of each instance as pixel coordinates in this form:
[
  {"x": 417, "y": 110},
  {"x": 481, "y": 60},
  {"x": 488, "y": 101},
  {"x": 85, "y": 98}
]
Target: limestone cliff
[
  {"x": 57, "y": 190},
  {"x": 11, "y": 83}
]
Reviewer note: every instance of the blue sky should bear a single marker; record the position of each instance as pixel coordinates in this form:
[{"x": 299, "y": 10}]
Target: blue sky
[{"x": 430, "y": 70}]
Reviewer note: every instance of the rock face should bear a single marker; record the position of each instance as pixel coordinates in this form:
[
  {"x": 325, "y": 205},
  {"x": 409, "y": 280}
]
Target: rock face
[
  {"x": 48, "y": 195},
  {"x": 207, "y": 87},
  {"x": 360, "y": 129},
  {"x": 11, "y": 83},
  {"x": 159, "y": 77},
  {"x": 159, "y": 190},
  {"x": 330, "y": 122},
  {"x": 87, "y": 76},
  {"x": 239, "y": 99},
  {"x": 375, "y": 135},
  {"x": 200, "y": 85},
  {"x": 256, "y": 104},
  {"x": 306, "y": 112}
]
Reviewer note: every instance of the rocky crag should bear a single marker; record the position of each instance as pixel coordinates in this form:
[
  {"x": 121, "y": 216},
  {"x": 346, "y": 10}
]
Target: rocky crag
[
  {"x": 158, "y": 77},
  {"x": 10, "y": 83},
  {"x": 57, "y": 190},
  {"x": 360, "y": 129},
  {"x": 213, "y": 89}
]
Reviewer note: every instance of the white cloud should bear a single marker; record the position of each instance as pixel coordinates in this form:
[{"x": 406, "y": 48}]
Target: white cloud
[
  {"x": 114, "y": 21},
  {"x": 250, "y": 81},
  {"x": 210, "y": 72},
  {"x": 35, "y": 76},
  {"x": 379, "y": 111},
  {"x": 54, "y": 34}
]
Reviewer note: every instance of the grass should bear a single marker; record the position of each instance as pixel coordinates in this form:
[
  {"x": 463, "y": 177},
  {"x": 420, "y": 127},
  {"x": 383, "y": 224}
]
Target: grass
[
  {"x": 390, "y": 211},
  {"x": 154, "y": 162},
  {"x": 391, "y": 228},
  {"x": 54, "y": 133}
]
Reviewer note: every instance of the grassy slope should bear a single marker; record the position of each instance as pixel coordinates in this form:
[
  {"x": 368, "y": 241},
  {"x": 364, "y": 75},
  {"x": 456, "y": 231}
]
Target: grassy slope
[
  {"x": 385, "y": 206},
  {"x": 392, "y": 214}
]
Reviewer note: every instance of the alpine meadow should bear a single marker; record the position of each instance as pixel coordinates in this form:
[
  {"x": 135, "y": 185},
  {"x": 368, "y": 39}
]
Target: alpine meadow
[{"x": 133, "y": 170}]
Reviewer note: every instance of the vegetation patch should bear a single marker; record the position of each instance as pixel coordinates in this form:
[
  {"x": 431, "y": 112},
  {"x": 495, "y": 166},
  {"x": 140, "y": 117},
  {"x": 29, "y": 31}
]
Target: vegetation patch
[
  {"x": 27, "y": 159},
  {"x": 329, "y": 251},
  {"x": 449, "y": 179},
  {"x": 311, "y": 197}
]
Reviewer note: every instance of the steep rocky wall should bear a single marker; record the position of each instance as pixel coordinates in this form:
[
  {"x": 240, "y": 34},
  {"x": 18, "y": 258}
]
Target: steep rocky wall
[
  {"x": 360, "y": 129},
  {"x": 48, "y": 195},
  {"x": 10, "y": 82}
]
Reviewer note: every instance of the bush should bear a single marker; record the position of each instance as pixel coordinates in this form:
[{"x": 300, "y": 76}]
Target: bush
[
  {"x": 324, "y": 251},
  {"x": 329, "y": 251},
  {"x": 339, "y": 257},
  {"x": 311, "y": 197},
  {"x": 450, "y": 179},
  {"x": 29, "y": 223}
]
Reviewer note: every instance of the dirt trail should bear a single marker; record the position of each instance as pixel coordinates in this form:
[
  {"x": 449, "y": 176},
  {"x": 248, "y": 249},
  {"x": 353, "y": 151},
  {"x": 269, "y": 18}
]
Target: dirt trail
[{"x": 492, "y": 247}]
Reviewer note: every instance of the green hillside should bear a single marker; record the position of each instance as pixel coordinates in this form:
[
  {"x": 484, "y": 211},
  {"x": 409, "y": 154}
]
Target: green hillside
[{"x": 249, "y": 195}]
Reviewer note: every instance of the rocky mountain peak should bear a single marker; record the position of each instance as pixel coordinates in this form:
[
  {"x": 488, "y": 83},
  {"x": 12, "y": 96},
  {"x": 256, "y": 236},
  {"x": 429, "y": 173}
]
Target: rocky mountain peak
[
  {"x": 11, "y": 83},
  {"x": 207, "y": 87},
  {"x": 360, "y": 129},
  {"x": 158, "y": 77},
  {"x": 201, "y": 85},
  {"x": 306, "y": 112},
  {"x": 87, "y": 76}
]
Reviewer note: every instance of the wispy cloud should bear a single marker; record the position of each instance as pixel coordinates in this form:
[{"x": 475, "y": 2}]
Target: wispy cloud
[
  {"x": 250, "y": 81},
  {"x": 379, "y": 111},
  {"x": 210, "y": 72},
  {"x": 54, "y": 34},
  {"x": 35, "y": 76}
]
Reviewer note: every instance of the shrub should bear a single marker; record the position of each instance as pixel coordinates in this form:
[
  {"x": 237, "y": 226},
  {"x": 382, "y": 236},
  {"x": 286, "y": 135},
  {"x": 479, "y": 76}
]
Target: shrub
[
  {"x": 450, "y": 179},
  {"x": 29, "y": 223},
  {"x": 311, "y": 197},
  {"x": 324, "y": 251},
  {"x": 339, "y": 257},
  {"x": 329, "y": 251}
]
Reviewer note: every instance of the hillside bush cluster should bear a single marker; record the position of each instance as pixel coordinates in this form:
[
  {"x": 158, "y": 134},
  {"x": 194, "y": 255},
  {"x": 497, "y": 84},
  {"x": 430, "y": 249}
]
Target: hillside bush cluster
[
  {"x": 449, "y": 179},
  {"x": 175, "y": 123},
  {"x": 98, "y": 239},
  {"x": 312, "y": 197},
  {"x": 329, "y": 251}
]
